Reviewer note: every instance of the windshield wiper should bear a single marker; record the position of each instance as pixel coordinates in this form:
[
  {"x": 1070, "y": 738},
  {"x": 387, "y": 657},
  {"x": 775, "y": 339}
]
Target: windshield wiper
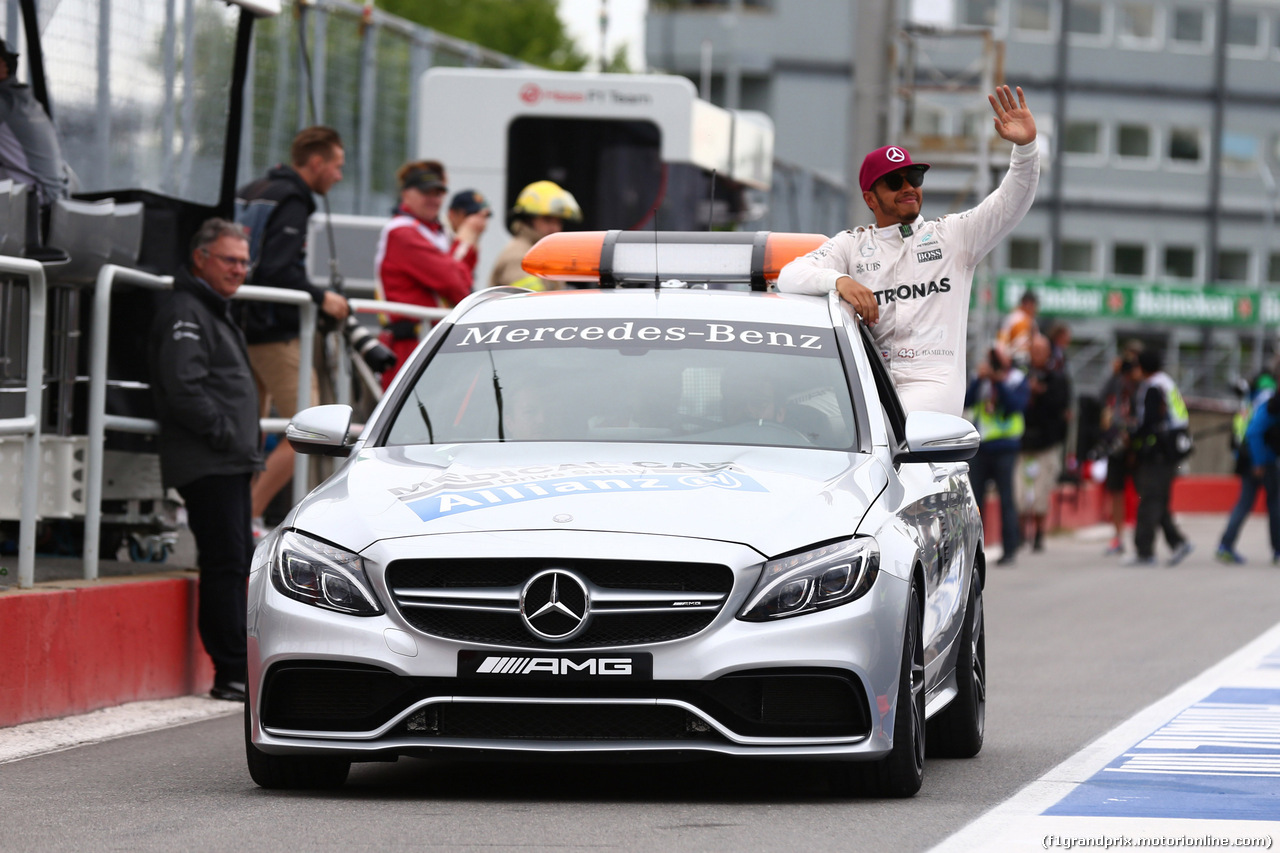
[
  {"x": 426, "y": 419},
  {"x": 497, "y": 397}
]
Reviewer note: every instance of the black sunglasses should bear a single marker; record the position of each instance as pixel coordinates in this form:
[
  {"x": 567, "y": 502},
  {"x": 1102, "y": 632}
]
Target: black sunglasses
[{"x": 912, "y": 175}]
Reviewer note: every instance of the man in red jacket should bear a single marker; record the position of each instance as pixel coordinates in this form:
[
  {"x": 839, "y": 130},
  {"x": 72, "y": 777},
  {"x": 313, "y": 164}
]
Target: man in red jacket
[{"x": 417, "y": 261}]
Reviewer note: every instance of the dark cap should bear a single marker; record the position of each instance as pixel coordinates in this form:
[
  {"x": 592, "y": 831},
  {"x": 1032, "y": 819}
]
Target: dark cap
[
  {"x": 423, "y": 180},
  {"x": 8, "y": 56},
  {"x": 469, "y": 202},
  {"x": 881, "y": 162}
]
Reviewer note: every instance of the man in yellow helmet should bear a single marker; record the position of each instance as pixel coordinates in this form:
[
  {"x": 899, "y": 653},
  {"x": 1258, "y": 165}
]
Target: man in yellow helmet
[{"x": 542, "y": 208}]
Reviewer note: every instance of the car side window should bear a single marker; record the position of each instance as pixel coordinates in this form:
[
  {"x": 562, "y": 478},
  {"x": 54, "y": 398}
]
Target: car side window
[{"x": 895, "y": 416}]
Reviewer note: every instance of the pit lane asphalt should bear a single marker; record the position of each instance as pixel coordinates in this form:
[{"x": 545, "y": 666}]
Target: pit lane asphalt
[{"x": 1076, "y": 644}]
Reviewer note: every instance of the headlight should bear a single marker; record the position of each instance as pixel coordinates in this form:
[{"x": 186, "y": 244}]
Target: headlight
[
  {"x": 316, "y": 573},
  {"x": 813, "y": 580}
]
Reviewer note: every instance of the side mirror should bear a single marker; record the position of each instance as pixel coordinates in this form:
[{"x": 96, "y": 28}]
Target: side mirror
[
  {"x": 936, "y": 437},
  {"x": 321, "y": 430}
]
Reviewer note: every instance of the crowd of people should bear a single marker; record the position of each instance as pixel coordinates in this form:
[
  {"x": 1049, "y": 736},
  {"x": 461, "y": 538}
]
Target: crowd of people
[{"x": 1019, "y": 399}]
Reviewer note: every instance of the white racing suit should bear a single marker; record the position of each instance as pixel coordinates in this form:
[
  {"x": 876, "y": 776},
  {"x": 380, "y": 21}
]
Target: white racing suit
[{"x": 922, "y": 276}]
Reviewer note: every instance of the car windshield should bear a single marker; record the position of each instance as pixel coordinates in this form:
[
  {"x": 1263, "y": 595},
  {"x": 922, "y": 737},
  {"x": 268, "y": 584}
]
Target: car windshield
[{"x": 631, "y": 380}]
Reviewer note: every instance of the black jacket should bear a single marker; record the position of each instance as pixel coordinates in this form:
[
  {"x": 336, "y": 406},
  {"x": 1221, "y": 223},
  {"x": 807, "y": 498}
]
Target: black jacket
[
  {"x": 1046, "y": 415},
  {"x": 205, "y": 397},
  {"x": 285, "y": 202}
]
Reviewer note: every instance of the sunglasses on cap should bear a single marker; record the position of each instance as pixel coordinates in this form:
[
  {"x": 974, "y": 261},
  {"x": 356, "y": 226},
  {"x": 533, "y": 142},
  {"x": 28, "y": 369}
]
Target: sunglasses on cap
[{"x": 912, "y": 175}]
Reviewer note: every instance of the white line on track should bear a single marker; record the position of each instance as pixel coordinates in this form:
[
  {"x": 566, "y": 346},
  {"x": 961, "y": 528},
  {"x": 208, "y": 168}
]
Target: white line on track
[
  {"x": 45, "y": 736},
  {"x": 1019, "y": 822}
]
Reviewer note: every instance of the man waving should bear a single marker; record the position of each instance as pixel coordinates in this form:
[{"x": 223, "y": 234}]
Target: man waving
[{"x": 909, "y": 277}]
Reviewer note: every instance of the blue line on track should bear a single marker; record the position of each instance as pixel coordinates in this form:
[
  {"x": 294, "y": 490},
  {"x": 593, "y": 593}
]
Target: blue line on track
[{"x": 1217, "y": 760}]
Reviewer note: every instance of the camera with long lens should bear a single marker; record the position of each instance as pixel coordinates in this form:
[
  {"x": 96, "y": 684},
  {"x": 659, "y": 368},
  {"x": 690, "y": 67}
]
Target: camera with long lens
[{"x": 366, "y": 344}]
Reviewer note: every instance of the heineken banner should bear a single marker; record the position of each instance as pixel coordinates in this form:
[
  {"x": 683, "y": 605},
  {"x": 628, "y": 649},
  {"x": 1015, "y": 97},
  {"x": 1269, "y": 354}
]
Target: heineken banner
[{"x": 1142, "y": 301}]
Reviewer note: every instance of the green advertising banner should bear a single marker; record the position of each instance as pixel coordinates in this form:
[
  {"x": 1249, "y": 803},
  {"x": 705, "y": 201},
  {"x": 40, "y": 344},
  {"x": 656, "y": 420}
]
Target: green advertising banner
[{"x": 1142, "y": 302}]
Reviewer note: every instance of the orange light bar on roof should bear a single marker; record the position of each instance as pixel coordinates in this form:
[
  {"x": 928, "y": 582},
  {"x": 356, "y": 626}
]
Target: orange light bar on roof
[
  {"x": 639, "y": 258},
  {"x": 566, "y": 256},
  {"x": 782, "y": 248}
]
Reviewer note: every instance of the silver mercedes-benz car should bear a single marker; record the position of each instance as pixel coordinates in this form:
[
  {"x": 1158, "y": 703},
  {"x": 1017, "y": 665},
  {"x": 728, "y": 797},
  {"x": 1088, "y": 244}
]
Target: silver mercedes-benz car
[{"x": 675, "y": 514}]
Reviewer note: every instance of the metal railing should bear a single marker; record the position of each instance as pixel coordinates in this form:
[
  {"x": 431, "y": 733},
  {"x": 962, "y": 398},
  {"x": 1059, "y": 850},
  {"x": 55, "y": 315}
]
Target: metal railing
[
  {"x": 28, "y": 425},
  {"x": 100, "y": 421}
]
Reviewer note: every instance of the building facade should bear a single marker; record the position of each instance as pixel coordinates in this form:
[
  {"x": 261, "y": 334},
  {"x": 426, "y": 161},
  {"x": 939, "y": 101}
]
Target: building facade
[{"x": 1160, "y": 128}]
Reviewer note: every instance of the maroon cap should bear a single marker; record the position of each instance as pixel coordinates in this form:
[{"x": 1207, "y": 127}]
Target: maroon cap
[{"x": 881, "y": 162}]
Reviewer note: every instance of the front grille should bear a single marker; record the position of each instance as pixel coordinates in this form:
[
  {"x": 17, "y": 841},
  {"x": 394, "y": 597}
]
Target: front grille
[
  {"x": 507, "y": 630},
  {"x": 426, "y": 594}
]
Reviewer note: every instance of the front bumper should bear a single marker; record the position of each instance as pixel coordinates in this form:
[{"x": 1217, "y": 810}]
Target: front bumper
[{"x": 818, "y": 685}]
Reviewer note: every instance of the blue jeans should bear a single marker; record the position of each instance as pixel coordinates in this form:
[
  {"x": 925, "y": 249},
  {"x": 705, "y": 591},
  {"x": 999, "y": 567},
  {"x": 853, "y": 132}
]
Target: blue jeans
[
  {"x": 1249, "y": 484},
  {"x": 998, "y": 467}
]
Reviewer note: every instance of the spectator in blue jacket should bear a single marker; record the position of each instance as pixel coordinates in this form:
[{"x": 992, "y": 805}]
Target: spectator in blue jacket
[
  {"x": 1262, "y": 472},
  {"x": 996, "y": 401}
]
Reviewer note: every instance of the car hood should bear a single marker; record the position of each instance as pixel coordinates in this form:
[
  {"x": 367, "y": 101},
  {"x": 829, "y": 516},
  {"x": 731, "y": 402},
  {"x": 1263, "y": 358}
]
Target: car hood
[{"x": 770, "y": 499}]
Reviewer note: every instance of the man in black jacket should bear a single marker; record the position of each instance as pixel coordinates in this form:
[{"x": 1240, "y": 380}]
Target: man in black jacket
[
  {"x": 276, "y": 209},
  {"x": 209, "y": 438},
  {"x": 1048, "y": 412}
]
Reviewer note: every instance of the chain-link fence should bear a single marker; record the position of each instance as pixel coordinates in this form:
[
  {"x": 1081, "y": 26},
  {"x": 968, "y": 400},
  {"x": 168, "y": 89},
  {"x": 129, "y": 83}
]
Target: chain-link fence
[
  {"x": 364, "y": 70},
  {"x": 139, "y": 90}
]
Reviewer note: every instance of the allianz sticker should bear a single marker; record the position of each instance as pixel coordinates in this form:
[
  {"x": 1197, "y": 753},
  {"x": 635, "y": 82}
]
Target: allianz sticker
[{"x": 455, "y": 493}]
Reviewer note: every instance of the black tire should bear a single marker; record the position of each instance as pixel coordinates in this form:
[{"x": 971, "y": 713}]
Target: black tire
[
  {"x": 901, "y": 772},
  {"x": 303, "y": 772},
  {"x": 956, "y": 732}
]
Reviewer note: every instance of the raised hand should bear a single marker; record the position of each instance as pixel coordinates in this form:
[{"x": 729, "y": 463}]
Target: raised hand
[{"x": 1014, "y": 121}]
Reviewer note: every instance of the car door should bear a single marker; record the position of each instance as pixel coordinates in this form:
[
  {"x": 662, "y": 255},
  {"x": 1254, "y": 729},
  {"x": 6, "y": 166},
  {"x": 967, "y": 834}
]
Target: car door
[{"x": 933, "y": 507}]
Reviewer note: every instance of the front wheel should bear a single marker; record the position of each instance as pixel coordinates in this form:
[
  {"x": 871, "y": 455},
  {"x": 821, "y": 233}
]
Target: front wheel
[
  {"x": 901, "y": 772},
  {"x": 311, "y": 772},
  {"x": 957, "y": 731}
]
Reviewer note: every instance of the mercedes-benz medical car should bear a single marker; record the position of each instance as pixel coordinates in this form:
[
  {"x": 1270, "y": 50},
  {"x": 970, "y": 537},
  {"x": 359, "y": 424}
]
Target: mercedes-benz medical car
[{"x": 674, "y": 514}]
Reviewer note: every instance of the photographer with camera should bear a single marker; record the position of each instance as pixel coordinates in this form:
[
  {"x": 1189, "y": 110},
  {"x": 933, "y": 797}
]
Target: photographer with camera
[
  {"x": 418, "y": 263},
  {"x": 995, "y": 403},
  {"x": 274, "y": 210}
]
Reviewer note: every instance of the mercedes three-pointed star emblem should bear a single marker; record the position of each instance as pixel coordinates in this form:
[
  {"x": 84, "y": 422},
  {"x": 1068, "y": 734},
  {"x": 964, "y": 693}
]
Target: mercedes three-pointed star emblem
[{"x": 555, "y": 605}]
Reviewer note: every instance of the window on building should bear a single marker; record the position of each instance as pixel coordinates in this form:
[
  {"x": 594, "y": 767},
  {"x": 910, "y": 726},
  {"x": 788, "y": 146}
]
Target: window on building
[
  {"x": 1133, "y": 140},
  {"x": 1180, "y": 262},
  {"x": 1243, "y": 29},
  {"x": 1129, "y": 259},
  {"x": 978, "y": 13},
  {"x": 1077, "y": 256},
  {"x": 1085, "y": 18},
  {"x": 1240, "y": 151},
  {"x": 1184, "y": 144},
  {"x": 928, "y": 120},
  {"x": 1136, "y": 21},
  {"x": 1082, "y": 137},
  {"x": 1188, "y": 26},
  {"x": 1273, "y": 268},
  {"x": 1031, "y": 15},
  {"x": 1233, "y": 265},
  {"x": 1024, "y": 254}
]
